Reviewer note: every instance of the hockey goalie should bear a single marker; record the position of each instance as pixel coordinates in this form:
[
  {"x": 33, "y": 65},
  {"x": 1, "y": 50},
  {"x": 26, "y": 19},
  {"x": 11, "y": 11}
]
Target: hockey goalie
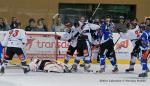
[{"x": 37, "y": 65}]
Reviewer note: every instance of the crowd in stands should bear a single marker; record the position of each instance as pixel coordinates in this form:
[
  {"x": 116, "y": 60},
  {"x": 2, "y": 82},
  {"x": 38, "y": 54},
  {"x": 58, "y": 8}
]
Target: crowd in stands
[{"x": 41, "y": 26}]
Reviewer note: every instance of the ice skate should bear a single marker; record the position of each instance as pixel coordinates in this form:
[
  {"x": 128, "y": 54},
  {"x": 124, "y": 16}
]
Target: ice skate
[
  {"x": 101, "y": 70},
  {"x": 87, "y": 68},
  {"x": 129, "y": 70},
  {"x": 26, "y": 69},
  {"x": 67, "y": 69},
  {"x": 2, "y": 70},
  {"x": 82, "y": 65},
  {"x": 115, "y": 69},
  {"x": 74, "y": 68},
  {"x": 143, "y": 74}
]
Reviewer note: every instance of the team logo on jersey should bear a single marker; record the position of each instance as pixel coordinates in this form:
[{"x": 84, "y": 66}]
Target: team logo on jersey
[{"x": 122, "y": 44}]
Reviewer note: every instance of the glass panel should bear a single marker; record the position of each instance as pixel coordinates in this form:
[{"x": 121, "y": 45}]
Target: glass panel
[{"x": 72, "y": 11}]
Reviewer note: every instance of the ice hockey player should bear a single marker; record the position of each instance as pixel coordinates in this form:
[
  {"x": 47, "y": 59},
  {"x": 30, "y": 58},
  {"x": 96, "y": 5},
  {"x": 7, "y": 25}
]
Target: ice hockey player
[
  {"x": 1, "y": 52},
  {"x": 107, "y": 46},
  {"x": 133, "y": 34},
  {"x": 144, "y": 52},
  {"x": 71, "y": 36},
  {"x": 84, "y": 42},
  {"x": 96, "y": 41},
  {"x": 47, "y": 66},
  {"x": 95, "y": 46},
  {"x": 15, "y": 41}
]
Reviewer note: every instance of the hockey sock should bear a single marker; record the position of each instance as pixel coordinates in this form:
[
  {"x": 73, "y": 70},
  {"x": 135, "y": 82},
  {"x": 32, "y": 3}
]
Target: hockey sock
[
  {"x": 131, "y": 66},
  {"x": 67, "y": 59},
  {"x": 102, "y": 61},
  {"x": 77, "y": 59},
  {"x": 87, "y": 60},
  {"x": 23, "y": 63},
  {"x": 112, "y": 61},
  {"x": 144, "y": 65},
  {"x": 132, "y": 62},
  {"x": 4, "y": 63}
]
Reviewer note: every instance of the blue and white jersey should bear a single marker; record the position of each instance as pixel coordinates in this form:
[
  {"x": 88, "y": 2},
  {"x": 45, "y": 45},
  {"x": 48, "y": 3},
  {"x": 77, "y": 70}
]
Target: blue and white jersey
[
  {"x": 1, "y": 51},
  {"x": 145, "y": 40},
  {"x": 106, "y": 31}
]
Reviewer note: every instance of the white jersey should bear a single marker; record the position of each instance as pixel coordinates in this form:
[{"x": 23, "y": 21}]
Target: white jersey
[
  {"x": 71, "y": 36},
  {"x": 87, "y": 28},
  {"x": 132, "y": 35},
  {"x": 15, "y": 38}
]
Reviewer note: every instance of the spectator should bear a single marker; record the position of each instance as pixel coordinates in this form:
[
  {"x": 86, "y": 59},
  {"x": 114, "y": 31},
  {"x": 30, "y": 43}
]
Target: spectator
[
  {"x": 19, "y": 25},
  {"x": 41, "y": 25},
  {"x": 129, "y": 25},
  {"x": 147, "y": 22},
  {"x": 142, "y": 26},
  {"x": 121, "y": 25},
  {"x": 109, "y": 23},
  {"x": 44, "y": 23},
  {"x": 14, "y": 23},
  {"x": 59, "y": 27},
  {"x": 31, "y": 25},
  {"x": 4, "y": 26},
  {"x": 121, "y": 20},
  {"x": 82, "y": 19},
  {"x": 97, "y": 21},
  {"x": 134, "y": 23}
]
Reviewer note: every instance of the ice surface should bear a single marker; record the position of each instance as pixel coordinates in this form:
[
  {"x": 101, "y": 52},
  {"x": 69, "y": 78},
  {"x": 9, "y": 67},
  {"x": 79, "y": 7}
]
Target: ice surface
[{"x": 15, "y": 77}]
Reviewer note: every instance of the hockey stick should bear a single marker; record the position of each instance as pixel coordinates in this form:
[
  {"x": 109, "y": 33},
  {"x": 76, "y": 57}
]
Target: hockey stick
[
  {"x": 117, "y": 40},
  {"x": 95, "y": 10},
  {"x": 53, "y": 21}
]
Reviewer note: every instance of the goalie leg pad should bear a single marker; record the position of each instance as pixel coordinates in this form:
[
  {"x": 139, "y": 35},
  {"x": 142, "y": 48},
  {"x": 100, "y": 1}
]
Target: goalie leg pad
[{"x": 54, "y": 67}]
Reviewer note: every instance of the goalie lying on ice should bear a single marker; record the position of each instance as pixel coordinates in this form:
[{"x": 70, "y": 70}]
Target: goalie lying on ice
[{"x": 48, "y": 66}]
